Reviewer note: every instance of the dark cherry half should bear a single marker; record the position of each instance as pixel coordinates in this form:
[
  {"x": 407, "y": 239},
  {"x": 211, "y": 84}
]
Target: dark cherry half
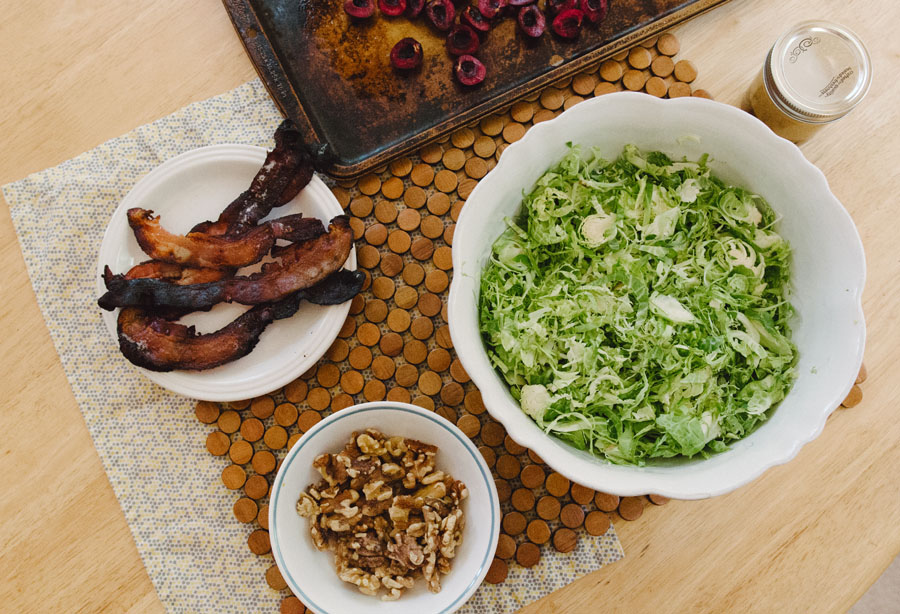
[
  {"x": 469, "y": 70},
  {"x": 568, "y": 23},
  {"x": 414, "y": 7},
  {"x": 490, "y": 8},
  {"x": 555, "y": 7},
  {"x": 441, "y": 13},
  {"x": 473, "y": 18},
  {"x": 462, "y": 40},
  {"x": 532, "y": 21},
  {"x": 359, "y": 9},
  {"x": 595, "y": 10},
  {"x": 392, "y": 8},
  {"x": 406, "y": 54}
]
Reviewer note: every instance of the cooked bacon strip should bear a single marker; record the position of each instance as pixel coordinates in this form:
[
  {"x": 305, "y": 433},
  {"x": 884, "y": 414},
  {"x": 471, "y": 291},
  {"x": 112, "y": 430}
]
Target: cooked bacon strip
[
  {"x": 301, "y": 266},
  {"x": 157, "y": 344},
  {"x": 173, "y": 273},
  {"x": 296, "y": 228},
  {"x": 286, "y": 171}
]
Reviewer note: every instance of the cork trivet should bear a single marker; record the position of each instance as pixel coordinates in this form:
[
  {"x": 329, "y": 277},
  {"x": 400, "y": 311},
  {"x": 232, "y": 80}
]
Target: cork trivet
[
  {"x": 532, "y": 476},
  {"x": 386, "y": 212},
  {"x": 565, "y": 540},
  {"x": 446, "y": 181},
  {"x": 528, "y": 554},
  {"x": 504, "y": 490},
  {"x": 369, "y": 184},
  {"x": 571, "y": 515},
  {"x": 853, "y": 399},
  {"x": 508, "y": 466},
  {"x": 292, "y": 605},
  {"x": 514, "y": 523},
  {"x": 548, "y": 507},
  {"x": 234, "y": 476},
  {"x": 206, "y": 412},
  {"x": 662, "y": 66},
  {"x": 431, "y": 154},
  {"x": 454, "y": 159},
  {"x": 245, "y": 510},
  {"x": 679, "y": 89},
  {"x": 634, "y": 79},
  {"x": 656, "y": 87},
  {"x": 605, "y": 502},
  {"x": 522, "y": 499},
  {"x": 685, "y": 71},
  {"x": 506, "y": 547},
  {"x": 258, "y": 542},
  {"x": 596, "y": 523},
  {"x": 611, "y": 71},
  {"x": 422, "y": 248},
  {"x": 462, "y": 138},
  {"x": 401, "y": 167},
  {"x": 497, "y": 572},
  {"x": 414, "y": 197},
  {"x": 217, "y": 443},
  {"x": 557, "y": 484},
  {"x": 658, "y": 499},
  {"x": 422, "y": 175},
  {"x": 229, "y": 422},
  {"x": 256, "y": 487},
  {"x": 538, "y": 531},
  {"x": 264, "y": 461},
  {"x": 631, "y": 508},
  {"x": 487, "y": 453},
  {"x": 512, "y": 447},
  {"x": 240, "y": 452},
  {"x": 639, "y": 58},
  {"x": 582, "y": 494}
]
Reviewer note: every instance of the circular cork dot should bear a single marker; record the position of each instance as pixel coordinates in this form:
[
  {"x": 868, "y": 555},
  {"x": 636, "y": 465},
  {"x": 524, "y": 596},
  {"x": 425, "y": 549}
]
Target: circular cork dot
[
  {"x": 292, "y": 605},
  {"x": 391, "y": 265},
  {"x": 398, "y": 395},
  {"x": 438, "y": 358},
  {"x": 424, "y": 402},
  {"x": 485, "y": 146},
  {"x": 360, "y": 358},
  {"x": 361, "y": 206},
  {"x": 596, "y": 523},
  {"x": 701, "y": 93},
  {"x": 413, "y": 275},
  {"x": 429, "y": 304},
  {"x": 542, "y": 116},
  {"x": 522, "y": 499},
  {"x": 446, "y": 181},
  {"x": 258, "y": 542},
  {"x": 252, "y": 429},
  {"x": 611, "y": 71},
  {"x": 538, "y": 531},
  {"x": 422, "y": 248},
  {"x": 264, "y": 462},
  {"x": 256, "y": 487},
  {"x": 217, "y": 443},
  {"x": 327, "y": 376},
  {"x": 307, "y": 375},
  {"x": 679, "y": 90},
  {"x": 535, "y": 458},
  {"x": 358, "y": 227},
  {"x": 511, "y": 133},
  {"x": 348, "y": 328},
  {"x": 658, "y": 499},
  {"x": 245, "y": 510},
  {"x": 391, "y": 344},
  {"x": 532, "y": 476},
  {"x": 656, "y": 87},
  {"x": 492, "y": 433},
  {"x": 399, "y": 241},
  {"x": 565, "y": 540},
  {"x": 437, "y": 281},
  {"x": 431, "y": 153},
  {"x": 341, "y": 401},
  {"x": 631, "y": 508},
  {"x": 662, "y": 66},
  {"x": 429, "y": 382},
  {"x": 521, "y": 112},
  {"x": 415, "y": 352},
  {"x": 400, "y": 167},
  {"x": 422, "y": 175},
  {"x": 358, "y": 303},
  {"x": 504, "y": 490},
  {"x": 352, "y": 382},
  {"x": 369, "y": 184},
  {"x": 497, "y": 572},
  {"x": 229, "y": 421},
  {"x": 382, "y": 288},
  {"x": 438, "y": 204},
  {"x": 863, "y": 374},
  {"x": 414, "y": 197},
  {"x": 445, "y": 313},
  {"x": 240, "y": 405},
  {"x": 454, "y": 159},
  {"x": 409, "y": 219},
  {"x": 294, "y": 439},
  {"x": 456, "y": 209},
  {"x": 512, "y": 447},
  {"x": 398, "y": 320},
  {"x": 620, "y": 55},
  {"x": 368, "y": 334},
  {"x": 476, "y": 168},
  {"x": 337, "y": 352},
  {"x": 514, "y": 523},
  {"x": 508, "y": 466},
  {"x": 442, "y": 337},
  {"x": 406, "y": 375},
  {"x": 557, "y": 484},
  {"x": 406, "y": 297},
  {"x": 318, "y": 399},
  {"x": 274, "y": 579},
  {"x": 605, "y": 88},
  {"x": 668, "y": 44},
  {"x": 489, "y": 456},
  {"x": 275, "y": 437},
  {"x": 685, "y": 71},
  {"x": 376, "y": 310},
  {"x": 342, "y": 196},
  {"x": 421, "y": 328},
  {"x": 386, "y": 212},
  {"x": 854, "y": 397},
  {"x": 552, "y": 98},
  {"x": 383, "y": 367},
  {"x": 528, "y": 555},
  {"x": 452, "y": 394},
  {"x": 634, "y": 80},
  {"x": 392, "y": 188},
  {"x": 584, "y": 84},
  {"x": 572, "y": 515},
  {"x": 571, "y": 101},
  {"x": 548, "y": 507},
  {"x": 295, "y": 392},
  {"x": 462, "y": 138},
  {"x": 582, "y": 494},
  {"x": 469, "y": 424},
  {"x": 240, "y": 452},
  {"x": 492, "y": 125},
  {"x": 457, "y": 372},
  {"x": 234, "y": 476},
  {"x": 639, "y": 58},
  {"x": 506, "y": 547},
  {"x": 374, "y": 390},
  {"x": 206, "y": 412},
  {"x": 376, "y": 234}
]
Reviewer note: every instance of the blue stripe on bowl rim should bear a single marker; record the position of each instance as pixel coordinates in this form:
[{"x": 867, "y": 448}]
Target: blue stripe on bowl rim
[{"x": 402, "y": 407}]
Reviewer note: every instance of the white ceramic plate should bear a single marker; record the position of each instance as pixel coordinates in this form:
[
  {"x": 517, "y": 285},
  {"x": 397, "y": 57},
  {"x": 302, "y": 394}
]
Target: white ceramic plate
[
  {"x": 196, "y": 186},
  {"x": 828, "y": 276},
  {"x": 310, "y": 573}
]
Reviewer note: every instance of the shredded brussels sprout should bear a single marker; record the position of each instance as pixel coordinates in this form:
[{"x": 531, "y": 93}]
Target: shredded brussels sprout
[{"x": 638, "y": 308}]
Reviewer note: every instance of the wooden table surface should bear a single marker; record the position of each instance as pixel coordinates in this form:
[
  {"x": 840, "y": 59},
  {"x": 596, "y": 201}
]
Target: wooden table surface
[{"x": 810, "y": 536}]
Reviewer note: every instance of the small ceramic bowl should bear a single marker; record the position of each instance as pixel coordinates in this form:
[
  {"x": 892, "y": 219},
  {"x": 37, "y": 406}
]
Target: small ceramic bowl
[{"x": 310, "y": 573}]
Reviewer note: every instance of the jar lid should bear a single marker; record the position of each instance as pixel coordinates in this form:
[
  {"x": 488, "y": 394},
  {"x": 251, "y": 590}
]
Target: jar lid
[{"x": 818, "y": 71}]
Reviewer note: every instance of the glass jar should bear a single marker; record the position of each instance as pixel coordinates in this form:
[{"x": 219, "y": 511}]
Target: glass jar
[{"x": 814, "y": 74}]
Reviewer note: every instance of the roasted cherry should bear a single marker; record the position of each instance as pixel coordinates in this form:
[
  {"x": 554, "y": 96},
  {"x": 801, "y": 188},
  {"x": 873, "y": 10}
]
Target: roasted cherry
[
  {"x": 475, "y": 19},
  {"x": 392, "y": 8},
  {"x": 406, "y": 54},
  {"x": 568, "y": 23},
  {"x": 359, "y": 9},
  {"x": 490, "y": 8},
  {"x": 469, "y": 70},
  {"x": 532, "y": 21},
  {"x": 414, "y": 7},
  {"x": 441, "y": 13},
  {"x": 594, "y": 10},
  {"x": 554, "y": 7},
  {"x": 462, "y": 40}
]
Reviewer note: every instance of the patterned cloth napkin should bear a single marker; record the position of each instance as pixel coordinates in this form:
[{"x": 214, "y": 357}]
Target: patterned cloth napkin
[{"x": 151, "y": 446}]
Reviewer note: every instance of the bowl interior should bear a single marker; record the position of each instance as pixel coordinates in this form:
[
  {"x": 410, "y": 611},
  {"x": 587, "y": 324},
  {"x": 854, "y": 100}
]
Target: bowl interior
[
  {"x": 310, "y": 573},
  {"x": 828, "y": 276}
]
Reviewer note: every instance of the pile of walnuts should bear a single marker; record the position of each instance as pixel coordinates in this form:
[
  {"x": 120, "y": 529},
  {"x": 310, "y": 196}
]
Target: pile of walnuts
[{"x": 386, "y": 513}]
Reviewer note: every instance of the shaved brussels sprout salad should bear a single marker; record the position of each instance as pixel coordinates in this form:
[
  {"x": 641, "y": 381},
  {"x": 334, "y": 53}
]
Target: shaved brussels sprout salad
[{"x": 638, "y": 308}]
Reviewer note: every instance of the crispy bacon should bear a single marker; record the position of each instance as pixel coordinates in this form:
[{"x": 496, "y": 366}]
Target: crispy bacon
[
  {"x": 157, "y": 344},
  {"x": 301, "y": 266},
  {"x": 173, "y": 273},
  {"x": 201, "y": 250}
]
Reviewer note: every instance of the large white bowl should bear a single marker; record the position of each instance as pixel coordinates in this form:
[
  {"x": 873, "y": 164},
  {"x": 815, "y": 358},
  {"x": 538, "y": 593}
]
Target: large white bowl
[
  {"x": 828, "y": 277},
  {"x": 310, "y": 573}
]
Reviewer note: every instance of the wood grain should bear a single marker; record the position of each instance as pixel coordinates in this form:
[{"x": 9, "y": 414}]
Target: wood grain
[{"x": 809, "y": 536}]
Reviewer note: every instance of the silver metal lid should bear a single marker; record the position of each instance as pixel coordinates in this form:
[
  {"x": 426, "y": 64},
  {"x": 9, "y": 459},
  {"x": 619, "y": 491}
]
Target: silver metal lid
[{"x": 818, "y": 71}]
